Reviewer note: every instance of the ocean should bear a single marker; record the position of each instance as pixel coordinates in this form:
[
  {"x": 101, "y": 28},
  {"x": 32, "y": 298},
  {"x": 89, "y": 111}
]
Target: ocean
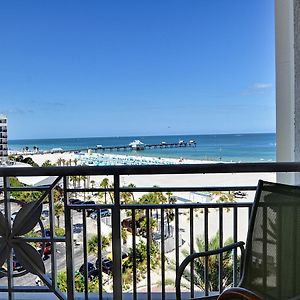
[{"x": 215, "y": 147}]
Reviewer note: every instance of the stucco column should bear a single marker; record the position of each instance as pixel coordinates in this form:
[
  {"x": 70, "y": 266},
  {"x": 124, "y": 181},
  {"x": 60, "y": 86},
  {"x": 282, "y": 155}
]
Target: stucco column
[{"x": 287, "y": 16}]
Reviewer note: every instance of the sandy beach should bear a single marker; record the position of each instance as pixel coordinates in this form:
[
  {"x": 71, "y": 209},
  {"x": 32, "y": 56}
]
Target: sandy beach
[
  {"x": 166, "y": 180},
  {"x": 175, "y": 180}
]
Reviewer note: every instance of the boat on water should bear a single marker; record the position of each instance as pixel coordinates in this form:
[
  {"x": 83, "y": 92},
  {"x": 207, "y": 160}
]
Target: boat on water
[{"x": 137, "y": 145}]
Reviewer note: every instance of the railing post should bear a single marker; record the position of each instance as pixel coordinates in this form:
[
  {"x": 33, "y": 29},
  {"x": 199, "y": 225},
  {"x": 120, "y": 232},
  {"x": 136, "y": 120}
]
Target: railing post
[
  {"x": 69, "y": 242},
  {"x": 116, "y": 241},
  {"x": 7, "y": 209},
  {"x": 52, "y": 234}
]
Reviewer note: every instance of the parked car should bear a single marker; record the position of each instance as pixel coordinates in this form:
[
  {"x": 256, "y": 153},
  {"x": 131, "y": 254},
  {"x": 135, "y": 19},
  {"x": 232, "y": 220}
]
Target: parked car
[
  {"x": 45, "y": 213},
  {"x": 47, "y": 248},
  {"x": 16, "y": 265},
  {"x": 89, "y": 210},
  {"x": 46, "y": 232},
  {"x": 90, "y": 267},
  {"x": 93, "y": 215},
  {"x": 93, "y": 274},
  {"x": 76, "y": 201},
  {"x": 104, "y": 212},
  {"x": 46, "y": 251},
  {"x": 240, "y": 194},
  {"x": 106, "y": 264},
  {"x": 77, "y": 228}
]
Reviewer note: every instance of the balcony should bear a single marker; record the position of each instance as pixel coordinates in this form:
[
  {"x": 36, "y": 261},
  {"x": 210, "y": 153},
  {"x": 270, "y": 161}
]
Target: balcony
[
  {"x": 3, "y": 152},
  {"x": 144, "y": 264}
]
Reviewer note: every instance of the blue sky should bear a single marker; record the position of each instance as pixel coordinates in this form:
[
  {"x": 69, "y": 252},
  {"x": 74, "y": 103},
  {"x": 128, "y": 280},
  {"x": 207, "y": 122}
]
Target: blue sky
[{"x": 119, "y": 68}]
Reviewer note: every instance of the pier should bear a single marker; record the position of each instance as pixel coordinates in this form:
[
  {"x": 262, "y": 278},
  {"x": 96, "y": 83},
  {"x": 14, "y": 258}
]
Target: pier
[
  {"x": 148, "y": 146},
  {"x": 180, "y": 144}
]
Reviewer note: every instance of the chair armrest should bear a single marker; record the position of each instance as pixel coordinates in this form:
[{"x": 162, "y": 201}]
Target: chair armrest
[
  {"x": 192, "y": 256},
  {"x": 239, "y": 292}
]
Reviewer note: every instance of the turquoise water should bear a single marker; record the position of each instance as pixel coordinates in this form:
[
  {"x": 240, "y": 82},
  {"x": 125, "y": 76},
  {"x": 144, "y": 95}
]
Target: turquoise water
[{"x": 225, "y": 147}]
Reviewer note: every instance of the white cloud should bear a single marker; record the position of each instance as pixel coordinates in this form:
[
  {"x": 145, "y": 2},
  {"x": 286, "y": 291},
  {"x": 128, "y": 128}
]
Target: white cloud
[
  {"x": 261, "y": 86},
  {"x": 17, "y": 111},
  {"x": 258, "y": 88}
]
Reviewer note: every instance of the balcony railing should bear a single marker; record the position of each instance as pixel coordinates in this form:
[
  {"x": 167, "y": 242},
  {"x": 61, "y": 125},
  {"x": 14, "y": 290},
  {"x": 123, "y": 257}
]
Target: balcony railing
[{"x": 146, "y": 253}]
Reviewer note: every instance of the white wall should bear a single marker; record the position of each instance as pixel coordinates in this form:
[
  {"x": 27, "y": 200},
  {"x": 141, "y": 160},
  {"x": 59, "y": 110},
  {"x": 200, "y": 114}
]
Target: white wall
[{"x": 287, "y": 85}]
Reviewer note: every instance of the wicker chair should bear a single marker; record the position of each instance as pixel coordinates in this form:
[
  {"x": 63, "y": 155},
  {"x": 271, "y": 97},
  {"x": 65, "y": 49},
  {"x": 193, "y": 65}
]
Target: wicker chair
[{"x": 270, "y": 266}]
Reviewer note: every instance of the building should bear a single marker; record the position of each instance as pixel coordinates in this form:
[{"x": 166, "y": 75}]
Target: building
[{"x": 3, "y": 139}]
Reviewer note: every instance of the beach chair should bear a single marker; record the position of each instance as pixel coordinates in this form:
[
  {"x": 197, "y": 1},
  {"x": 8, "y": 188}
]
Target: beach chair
[{"x": 270, "y": 265}]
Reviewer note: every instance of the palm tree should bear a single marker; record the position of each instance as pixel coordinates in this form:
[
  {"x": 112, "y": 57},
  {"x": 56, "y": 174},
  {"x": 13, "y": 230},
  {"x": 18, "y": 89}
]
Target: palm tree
[
  {"x": 47, "y": 163},
  {"x": 170, "y": 212},
  {"x": 158, "y": 198},
  {"x": 124, "y": 235},
  {"x": 132, "y": 185},
  {"x": 140, "y": 254},
  {"x": 93, "y": 183},
  {"x": 126, "y": 196},
  {"x": 111, "y": 194},
  {"x": 73, "y": 179},
  {"x": 58, "y": 211},
  {"x": 92, "y": 245},
  {"x": 152, "y": 226},
  {"x": 213, "y": 264},
  {"x": 59, "y": 162},
  {"x": 105, "y": 184},
  {"x": 169, "y": 194},
  {"x": 84, "y": 179}
]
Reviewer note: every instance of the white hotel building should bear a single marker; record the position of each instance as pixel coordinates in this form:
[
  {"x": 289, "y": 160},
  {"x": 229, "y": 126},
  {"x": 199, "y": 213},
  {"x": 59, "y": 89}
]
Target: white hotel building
[{"x": 3, "y": 139}]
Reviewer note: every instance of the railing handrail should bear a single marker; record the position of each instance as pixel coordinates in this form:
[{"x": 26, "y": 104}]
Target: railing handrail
[
  {"x": 153, "y": 169},
  {"x": 164, "y": 205}
]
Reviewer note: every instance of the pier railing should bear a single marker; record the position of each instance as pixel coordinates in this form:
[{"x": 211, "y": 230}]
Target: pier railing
[{"x": 150, "y": 235}]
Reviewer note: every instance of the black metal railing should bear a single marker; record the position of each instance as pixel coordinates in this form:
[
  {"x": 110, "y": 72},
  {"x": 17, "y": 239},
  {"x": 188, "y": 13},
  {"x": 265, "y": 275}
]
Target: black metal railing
[{"x": 163, "y": 250}]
